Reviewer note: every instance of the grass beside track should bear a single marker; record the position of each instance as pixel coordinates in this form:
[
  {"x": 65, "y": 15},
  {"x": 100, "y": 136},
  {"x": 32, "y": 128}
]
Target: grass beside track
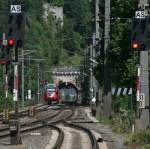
[{"x": 141, "y": 138}]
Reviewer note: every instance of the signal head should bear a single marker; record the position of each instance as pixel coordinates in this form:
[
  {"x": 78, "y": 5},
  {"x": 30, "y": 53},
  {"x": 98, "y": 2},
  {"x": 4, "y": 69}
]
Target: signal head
[
  {"x": 19, "y": 21},
  {"x": 11, "y": 42},
  {"x": 19, "y": 43},
  {"x": 135, "y": 45}
]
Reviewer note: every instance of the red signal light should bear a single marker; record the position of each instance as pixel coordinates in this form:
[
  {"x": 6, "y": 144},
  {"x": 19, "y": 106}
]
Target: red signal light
[
  {"x": 11, "y": 42},
  {"x": 135, "y": 45}
]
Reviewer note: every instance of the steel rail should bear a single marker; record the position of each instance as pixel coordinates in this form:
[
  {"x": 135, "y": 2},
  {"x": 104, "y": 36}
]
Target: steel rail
[
  {"x": 60, "y": 138},
  {"x": 32, "y": 123},
  {"x": 47, "y": 123},
  {"x": 90, "y": 134},
  {"x": 48, "y": 120},
  {"x": 23, "y": 112}
]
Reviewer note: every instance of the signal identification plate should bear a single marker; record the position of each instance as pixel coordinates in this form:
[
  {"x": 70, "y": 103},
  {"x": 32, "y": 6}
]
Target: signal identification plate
[
  {"x": 140, "y": 14},
  {"x": 15, "y": 8}
]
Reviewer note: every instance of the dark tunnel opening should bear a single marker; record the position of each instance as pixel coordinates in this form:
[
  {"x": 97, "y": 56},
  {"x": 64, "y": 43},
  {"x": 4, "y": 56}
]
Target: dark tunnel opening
[{"x": 68, "y": 92}]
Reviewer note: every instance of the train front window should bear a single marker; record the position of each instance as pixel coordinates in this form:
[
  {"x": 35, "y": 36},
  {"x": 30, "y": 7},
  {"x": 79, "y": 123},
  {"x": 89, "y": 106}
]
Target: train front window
[
  {"x": 50, "y": 91},
  {"x": 50, "y": 86}
]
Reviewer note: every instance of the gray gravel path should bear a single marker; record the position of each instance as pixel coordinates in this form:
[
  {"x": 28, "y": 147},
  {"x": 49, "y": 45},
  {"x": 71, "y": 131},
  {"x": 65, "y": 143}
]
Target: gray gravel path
[{"x": 37, "y": 139}]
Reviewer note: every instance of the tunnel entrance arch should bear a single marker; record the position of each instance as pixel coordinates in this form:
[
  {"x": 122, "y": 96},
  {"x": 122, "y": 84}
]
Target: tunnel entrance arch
[{"x": 69, "y": 75}]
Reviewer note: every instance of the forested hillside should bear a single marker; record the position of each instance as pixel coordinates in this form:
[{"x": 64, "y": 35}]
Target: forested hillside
[{"x": 59, "y": 46}]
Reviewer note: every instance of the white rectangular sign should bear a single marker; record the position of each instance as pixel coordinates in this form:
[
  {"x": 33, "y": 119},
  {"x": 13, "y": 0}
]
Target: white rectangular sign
[
  {"x": 15, "y": 8},
  {"x": 4, "y": 42},
  {"x": 140, "y": 14},
  {"x": 29, "y": 94},
  {"x": 15, "y": 95},
  {"x": 137, "y": 95},
  {"x": 142, "y": 100}
]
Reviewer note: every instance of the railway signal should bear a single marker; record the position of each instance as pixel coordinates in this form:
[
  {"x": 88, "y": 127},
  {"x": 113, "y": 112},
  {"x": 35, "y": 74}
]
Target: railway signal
[
  {"x": 139, "y": 34},
  {"x": 16, "y": 29},
  {"x": 15, "y": 37}
]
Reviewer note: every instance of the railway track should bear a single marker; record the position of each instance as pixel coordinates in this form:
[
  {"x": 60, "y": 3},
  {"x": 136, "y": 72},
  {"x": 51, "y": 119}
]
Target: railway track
[
  {"x": 30, "y": 123},
  {"x": 93, "y": 140},
  {"x": 55, "y": 118},
  {"x": 77, "y": 114},
  {"x": 63, "y": 120},
  {"x": 60, "y": 137},
  {"x": 23, "y": 113},
  {"x": 63, "y": 116}
]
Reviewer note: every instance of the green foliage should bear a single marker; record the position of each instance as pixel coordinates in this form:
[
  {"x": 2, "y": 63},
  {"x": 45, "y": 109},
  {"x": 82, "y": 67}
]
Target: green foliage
[
  {"x": 3, "y": 15},
  {"x": 79, "y": 12},
  {"x": 77, "y": 24},
  {"x": 146, "y": 146},
  {"x": 123, "y": 102},
  {"x": 142, "y": 137},
  {"x": 9, "y": 102},
  {"x": 120, "y": 122},
  {"x": 123, "y": 121},
  {"x": 104, "y": 120},
  {"x": 122, "y": 60},
  {"x": 123, "y": 9},
  {"x": 59, "y": 46},
  {"x": 56, "y": 2}
]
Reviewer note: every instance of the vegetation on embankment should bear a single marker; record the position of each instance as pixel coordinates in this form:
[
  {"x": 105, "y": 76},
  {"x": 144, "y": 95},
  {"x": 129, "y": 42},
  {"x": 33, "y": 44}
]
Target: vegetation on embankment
[
  {"x": 122, "y": 122},
  {"x": 141, "y": 139},
  {"x": 119, "y": 124}
]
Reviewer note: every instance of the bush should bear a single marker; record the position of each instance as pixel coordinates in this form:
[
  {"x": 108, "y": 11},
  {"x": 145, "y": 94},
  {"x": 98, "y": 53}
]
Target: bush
[
  {"x": 146, "y": 146},
  {"x": 9, "y": 102},
  {"x": 142, "y": 137},
  {"x": 103, "y": 120},
  {"x": 120, "y": 122}
]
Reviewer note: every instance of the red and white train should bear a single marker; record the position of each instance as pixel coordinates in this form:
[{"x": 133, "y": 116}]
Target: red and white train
[{"x": 51, "y": 94}]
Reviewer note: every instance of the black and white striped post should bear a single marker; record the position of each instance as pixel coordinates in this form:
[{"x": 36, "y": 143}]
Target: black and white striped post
[{"x": 120, "y": 91}]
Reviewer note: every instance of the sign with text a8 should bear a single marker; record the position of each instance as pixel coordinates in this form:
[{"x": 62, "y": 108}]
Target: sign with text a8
[{"x": 142, "y": 101}]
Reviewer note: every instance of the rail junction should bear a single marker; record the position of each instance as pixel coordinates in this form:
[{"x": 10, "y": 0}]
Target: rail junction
[{"x": 57, "y": 127}]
